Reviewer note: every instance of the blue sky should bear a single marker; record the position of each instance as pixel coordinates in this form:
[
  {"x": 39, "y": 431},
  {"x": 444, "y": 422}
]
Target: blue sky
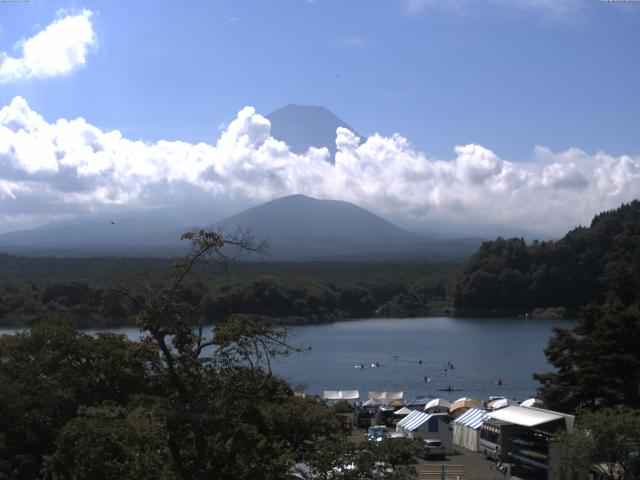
[
  {"x": 483, "y": 72},
  {"x": 506, "y": 110}
]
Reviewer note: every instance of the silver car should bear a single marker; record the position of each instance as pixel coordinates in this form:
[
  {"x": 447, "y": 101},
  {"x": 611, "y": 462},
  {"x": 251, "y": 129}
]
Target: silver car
[{"x": 433, "y": 448}]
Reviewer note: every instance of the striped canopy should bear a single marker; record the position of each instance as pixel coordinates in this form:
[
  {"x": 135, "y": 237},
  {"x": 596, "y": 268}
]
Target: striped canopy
[
  {"x": 472, "y": 418},
  {"x": 412, "y": 421}
]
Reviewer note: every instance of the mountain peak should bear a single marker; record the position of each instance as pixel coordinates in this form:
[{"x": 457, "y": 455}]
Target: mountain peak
[{"x": 304, "y": 126}]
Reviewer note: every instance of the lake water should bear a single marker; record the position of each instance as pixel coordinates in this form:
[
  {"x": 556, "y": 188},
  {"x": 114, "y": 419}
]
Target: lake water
[{"x": 482, "y": 351}]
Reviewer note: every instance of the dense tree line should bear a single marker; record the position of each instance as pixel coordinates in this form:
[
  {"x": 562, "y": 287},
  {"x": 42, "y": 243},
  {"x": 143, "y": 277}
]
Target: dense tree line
[
  {"x": 288, "y": 293},
  {"x": 512, "y": 276}
]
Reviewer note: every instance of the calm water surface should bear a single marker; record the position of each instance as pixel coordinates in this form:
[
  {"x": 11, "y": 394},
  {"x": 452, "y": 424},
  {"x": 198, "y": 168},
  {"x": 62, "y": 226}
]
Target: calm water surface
[{"x": 482, "y": 351}]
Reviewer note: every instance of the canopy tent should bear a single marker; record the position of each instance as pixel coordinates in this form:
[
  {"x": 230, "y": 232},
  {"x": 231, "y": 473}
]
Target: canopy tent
[
  {"x": 463, "y": 404},
  {"x": 466, "y": 428},
  {"x": 420, "y": 401},
  {"x": 438, "y": 405},
  {"x": 501, "y": 403},
  {"x": 532, "y": 402},
  {"x": 427, "y": 425},
  {"x": 341, "y": 395},
  {"x": 473, "y": 418},
  {"x": 412, "y": 421},
  {"x": 386, "y": 397},
  {"x": 403, "y": 411},
  {"x": 532, "y": 417},
  {"x": 372, "y": 403}
]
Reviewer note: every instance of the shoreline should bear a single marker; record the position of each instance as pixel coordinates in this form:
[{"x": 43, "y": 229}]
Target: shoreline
[{"x": 466, "y": 316}]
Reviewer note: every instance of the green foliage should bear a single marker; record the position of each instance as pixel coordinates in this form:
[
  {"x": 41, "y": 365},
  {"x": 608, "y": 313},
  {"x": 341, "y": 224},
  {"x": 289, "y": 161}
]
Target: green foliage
[
  {"x": 610, "y": 437},
  {"x": 111, "y": 443},
  {"x": 510, "y": 276},
  {"x": 99, "y": 292},
  {"x": 598, "y": 361},
  {"x": 344, "y": 460},
  {"x": 50, "y": 371}
]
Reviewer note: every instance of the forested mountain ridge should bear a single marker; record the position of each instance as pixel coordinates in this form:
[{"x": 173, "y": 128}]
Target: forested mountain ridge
[{"x": 507, "y": 275}]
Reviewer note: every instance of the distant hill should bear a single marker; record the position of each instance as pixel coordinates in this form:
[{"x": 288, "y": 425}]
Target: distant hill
[
  {"x": 510, "y": 275},
  {"x": 300, "y": 227},
  {"x": 302, "y": 126},
  {"x": 139, "y": 235},
  {"x": 297, "y": 228}
]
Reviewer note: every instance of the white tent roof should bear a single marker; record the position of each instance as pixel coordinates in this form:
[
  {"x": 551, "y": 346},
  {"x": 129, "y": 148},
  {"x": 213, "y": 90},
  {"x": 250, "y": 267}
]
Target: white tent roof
[
  {"x": 403, "y": 411},
  {"x": 341, "y": 395},
  {"x": 531, "y": 417},
  {"x": 438, "y": 402},
  {"x": 501, "y": 403},
  {"x": 386, "y": 396},
  {"x": 532, "y": 402}
]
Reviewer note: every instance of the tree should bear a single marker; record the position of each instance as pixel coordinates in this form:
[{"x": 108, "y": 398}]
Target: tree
[
  {"x": 598, "y": 361},
  {"x": 224, "y": 413},
  {"x": 610, "y": 437},
  {"x": 392, "y": 458},
  {"x": 50, "y": 371},
  {"x": 110, "y": 442},
  {"x": 184, "y": 402}
]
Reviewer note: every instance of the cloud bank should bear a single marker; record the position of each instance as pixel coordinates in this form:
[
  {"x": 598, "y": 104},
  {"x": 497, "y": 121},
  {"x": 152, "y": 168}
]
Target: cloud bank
[
  {"x": 69, "y": 167},
  {"x": 57, "y": 50}
]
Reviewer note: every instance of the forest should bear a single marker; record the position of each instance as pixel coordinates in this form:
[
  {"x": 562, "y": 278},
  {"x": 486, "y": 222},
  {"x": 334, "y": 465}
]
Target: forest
[
  {"x": 91, "y": 290},
  {"x": 511, "y": 276},
  {"x": 504, "y": 277}
]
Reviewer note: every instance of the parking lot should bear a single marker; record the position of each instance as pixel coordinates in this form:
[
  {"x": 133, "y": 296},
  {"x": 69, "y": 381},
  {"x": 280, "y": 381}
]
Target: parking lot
[{"x": 475, "y": 466}]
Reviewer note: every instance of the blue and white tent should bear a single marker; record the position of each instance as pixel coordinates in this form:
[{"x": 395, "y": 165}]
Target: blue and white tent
[
  {"x": 466, "y": 428},
  {"x": 427, "y": 425},
  {"x": 412, "y": 421}
]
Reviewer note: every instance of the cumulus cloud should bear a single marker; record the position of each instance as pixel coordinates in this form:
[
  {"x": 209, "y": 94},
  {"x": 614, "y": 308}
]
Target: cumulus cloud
[
  {"x": 60, "y": 169},
  {"x": 57, "y": 50}
]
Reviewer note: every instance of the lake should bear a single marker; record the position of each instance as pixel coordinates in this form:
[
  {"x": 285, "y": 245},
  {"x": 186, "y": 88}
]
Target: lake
[{"x": 408, "y": 350}]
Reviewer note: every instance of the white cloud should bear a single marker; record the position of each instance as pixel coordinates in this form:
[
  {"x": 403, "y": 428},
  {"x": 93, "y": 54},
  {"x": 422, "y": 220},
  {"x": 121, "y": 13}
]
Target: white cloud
[
  {"x": 57, "y": 50},
  {"x": 60, "y": 169}
]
